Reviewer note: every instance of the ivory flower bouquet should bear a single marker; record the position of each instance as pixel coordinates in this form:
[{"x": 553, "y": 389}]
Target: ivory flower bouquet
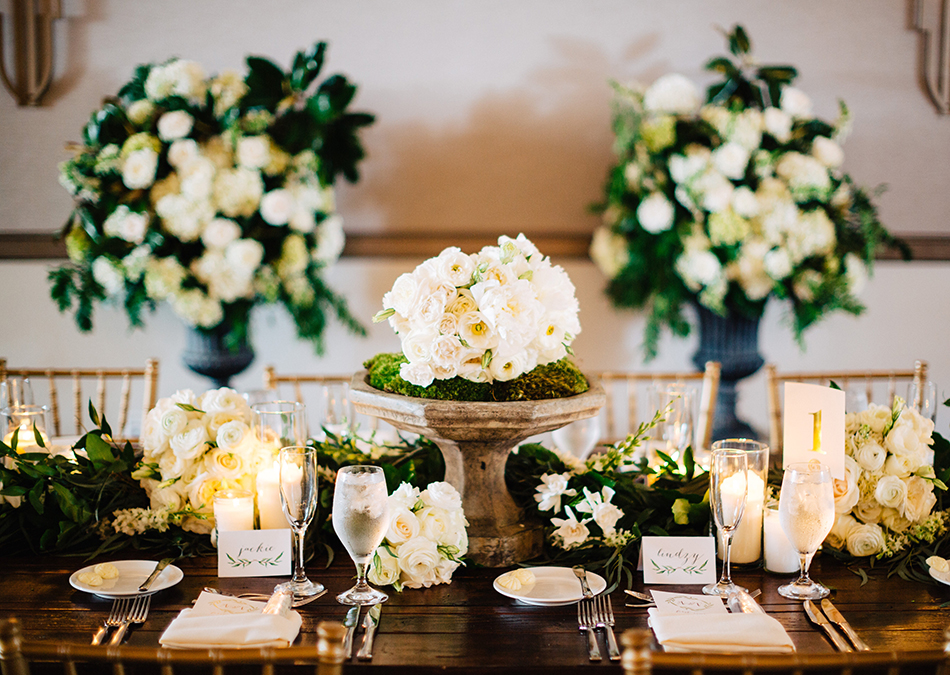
[
  {"x": 732, "y": 201},
  {"x": 212, "y": 193}
]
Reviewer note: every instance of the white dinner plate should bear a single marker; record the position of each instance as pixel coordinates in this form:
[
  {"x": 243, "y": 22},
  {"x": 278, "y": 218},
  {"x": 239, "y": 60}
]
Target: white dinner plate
[
  {"x": 553, "y": 586},
  {"x": 131, "y": 575},
  {"x": 942, "y": 577}
]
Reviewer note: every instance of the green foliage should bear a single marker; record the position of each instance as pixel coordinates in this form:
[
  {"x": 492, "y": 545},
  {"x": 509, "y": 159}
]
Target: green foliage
[{"x": 553, "y": 380}]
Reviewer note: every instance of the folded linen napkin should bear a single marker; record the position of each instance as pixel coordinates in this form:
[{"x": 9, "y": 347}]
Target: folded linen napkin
[
  {"x": 756, "y": 633},
  {"x": 234, "y": 631}
]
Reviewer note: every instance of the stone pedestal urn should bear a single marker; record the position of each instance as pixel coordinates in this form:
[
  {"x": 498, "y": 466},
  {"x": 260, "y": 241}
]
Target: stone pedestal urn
[{"x": 475, "y": 439}]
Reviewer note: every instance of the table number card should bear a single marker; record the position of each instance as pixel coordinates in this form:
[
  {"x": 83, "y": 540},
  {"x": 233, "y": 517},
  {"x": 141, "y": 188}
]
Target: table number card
[
  {"x": 679, "y": 560},
  {"x": 254, "y": 553},
  {"x": 814, "y": 426}
]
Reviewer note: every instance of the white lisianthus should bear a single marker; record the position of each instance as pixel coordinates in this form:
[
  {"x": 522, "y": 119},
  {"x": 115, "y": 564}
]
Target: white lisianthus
[
  {"x": 870, "y": 456},
  {"x": 672, "y": 94},
  {"x": 655, "y": 213},
  {"x": 174, "y": 124},
  {"x": 385, "y": 568}
]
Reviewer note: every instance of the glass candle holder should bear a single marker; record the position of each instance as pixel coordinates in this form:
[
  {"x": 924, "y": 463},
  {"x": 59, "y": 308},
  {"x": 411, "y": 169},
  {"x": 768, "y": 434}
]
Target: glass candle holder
[
  {"x": 747, "y": 539},
  {"x": 233, "y": 510},
  {"x": 22, "y": 420}
]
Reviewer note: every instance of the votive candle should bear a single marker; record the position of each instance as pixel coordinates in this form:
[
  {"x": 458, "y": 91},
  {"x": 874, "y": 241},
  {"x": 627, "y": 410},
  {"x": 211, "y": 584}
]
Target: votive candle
[
  {"x": 780, "y": 556},
  {"x": 233, "y": 510},
  {"x": 268, "y": 499}
]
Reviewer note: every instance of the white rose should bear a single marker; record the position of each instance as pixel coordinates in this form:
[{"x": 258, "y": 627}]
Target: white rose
[
  {"x": 220, "y": 232},
  {"x": 443, "y": 573},
  {"x": 846, "y": 491},
  {"x": 844, "y": 524},
  {"x": 443, "y": 495},
  {"x": 655, "y": 213},
  {"x": 870, "y": 456},
  {"x": 419, "y": 374},
  {"x": 868, "y": 511},
  {"x": 903, "y": 438},
  {"x": 672, "y": 93},
  {"x": 893, "y": 520},
  {"x": 731, "y": 159},
  {"x": 174, "y": 124},
  {"x": 138, "y": 169},
  {"x": 795, "y": 102},
  {"x": 455, "y": 267},
  {"x": 230, "y": 435},
  {"x": 182, "y": 152},
  {"x": 920, "y": 499},
  {"x": 827, "y": 152},
  {"x": 778, "y": 124},
  {"x": 405, "y": 495},
  {"x": 891, "y": 492},
  {"x": 866, "y": 540},
  {"x": 403, "y": 525},
  {"x": 418, "y": 560},
  {"x": 225, "y": 463},
  {"x": 877, "y": 417},
  {"x": 277, "y": 206},
  {"x": 253, "y": 152},
  {"x": 901, "y": 465},
  {"x": 385, "y": 568}
]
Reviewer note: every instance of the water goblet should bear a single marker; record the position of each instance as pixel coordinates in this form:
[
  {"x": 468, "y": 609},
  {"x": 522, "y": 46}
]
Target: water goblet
[
  {"x": 298, "y": 499},
  {"x": 579, "y": 437},
  {"x": 336, "y": 409},
  {"x": 360, "y": 520},
  {"x": 807, "y": 513},
  {"x": 728, "y": 490},
  {"x": 922, "y": 397},
  {"x": 15, "y": 391},
  {"x": 675, "y": 430}
]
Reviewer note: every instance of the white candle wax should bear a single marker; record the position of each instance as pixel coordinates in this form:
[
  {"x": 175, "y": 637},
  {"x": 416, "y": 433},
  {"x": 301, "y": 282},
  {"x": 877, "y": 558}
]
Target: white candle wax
[
  {"x": 268, "y": 499},
  {"x": 747, "y": 539},
  {"x": 233, "y": 510},
  {"x": 26, "y": 440},
  {"x": 780, "y": 556}
]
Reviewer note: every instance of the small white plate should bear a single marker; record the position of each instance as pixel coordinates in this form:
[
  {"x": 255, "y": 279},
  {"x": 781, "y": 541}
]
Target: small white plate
[
  {"x": 131, "y": 575},
  {"x": 942, "y": 577},
  {"x": 554, "y": 586}
]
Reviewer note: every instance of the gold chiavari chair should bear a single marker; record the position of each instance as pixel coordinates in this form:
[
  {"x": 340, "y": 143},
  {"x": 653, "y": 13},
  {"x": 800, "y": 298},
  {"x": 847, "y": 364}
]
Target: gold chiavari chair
[
  {"x": 104, "y": 380},
  {"x": 313, "y": 391},
  {"x": 16, "y": 655},
  {"x": 639, "y": 658},
  {"x": 625, "y": 390},
  {"x": 871, "y": 382}
]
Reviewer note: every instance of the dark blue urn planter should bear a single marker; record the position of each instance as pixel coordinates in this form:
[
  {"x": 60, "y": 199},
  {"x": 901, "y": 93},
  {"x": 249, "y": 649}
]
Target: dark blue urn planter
[
  {"x": 207, "y": 353},
  {"x": 733, "y": 341}
]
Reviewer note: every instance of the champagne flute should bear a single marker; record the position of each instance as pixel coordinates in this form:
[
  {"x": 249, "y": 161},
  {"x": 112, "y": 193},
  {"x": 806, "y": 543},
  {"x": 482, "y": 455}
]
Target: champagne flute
[
  {"x": 728, "y": 490},
  {"x": 806, "y": 510},
  {"x": 360, "y": 519},
  {"x": 298, "y": 499}
]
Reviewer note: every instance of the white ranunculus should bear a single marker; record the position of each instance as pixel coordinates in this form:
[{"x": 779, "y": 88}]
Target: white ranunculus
[
  {"x": 419, "y": 374},
  {"x": 385, "y": 568},
  {"x": 277, "y": 206},
  {"x": 795, "y": 102},
  {"x": 920, "y": 499},
  {"x": 138, "y": 169},
  {"x": 827, "y": 152},
  {"x": 778, "y": 124},
  {"x": 231, "y": 434},
  {"x": 191, "y": 441},
  {"x": 174, "y": 124},
  {"x": 172, "y": 422},
  {"x": 891, "y": 492},
  {"x": 508, "y": 369},
  {"x": 731, "y": 159},
  {"x": 443, "y": 495},
  {"x": 870, "y": 456},
  {"x": 253, "y": 152},
  {"x": 418, "y": 560},
  {"x": 844, "y": 524},
  {"x": 403, "y": 525},
  {"x": 846, "y": 491},
  {"x": 674, "y": 94},
  {"x": 108, "y": 275},
  {"x": 868, "y": 510},
  {"x": 865, "y": 540},
  {"x": 220, "y": 232},
  {"x": 655, "y": 213}
]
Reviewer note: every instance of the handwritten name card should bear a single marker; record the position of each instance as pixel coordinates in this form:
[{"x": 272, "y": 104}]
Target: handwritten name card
[
  {"x": 254, "y": 553},
  {"x": 679, "y": 560}
]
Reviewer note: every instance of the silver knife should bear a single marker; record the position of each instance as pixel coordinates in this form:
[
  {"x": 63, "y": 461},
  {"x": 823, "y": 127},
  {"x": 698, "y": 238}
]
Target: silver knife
[
  {"x": 815, "y": 615},
  {"x": 836, "y": 618},
  {"x": 350, "y": 622},
  {"x": 370, "y": 621},
  {"x": 162, "y": 564},
  {"x": 581, "y": 574}
]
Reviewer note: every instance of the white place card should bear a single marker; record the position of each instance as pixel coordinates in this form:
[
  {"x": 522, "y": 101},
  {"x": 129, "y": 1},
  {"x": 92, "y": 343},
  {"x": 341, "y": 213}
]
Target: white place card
[
  {"x": 678, "y": 560},
  {"x": 215, "y": 604},
  {"x": 687, "y": 603},
  {"x": 254, "y": 553},
  {"x": 814, "y": 426}
]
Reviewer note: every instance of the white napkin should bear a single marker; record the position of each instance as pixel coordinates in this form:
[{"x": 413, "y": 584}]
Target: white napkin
[
  {"x": 726, "y": 633},
  {"x": 231, "y": 631}
]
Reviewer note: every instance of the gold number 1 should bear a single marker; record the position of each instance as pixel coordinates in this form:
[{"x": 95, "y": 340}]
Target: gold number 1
[{"x": 816, "y": 435}]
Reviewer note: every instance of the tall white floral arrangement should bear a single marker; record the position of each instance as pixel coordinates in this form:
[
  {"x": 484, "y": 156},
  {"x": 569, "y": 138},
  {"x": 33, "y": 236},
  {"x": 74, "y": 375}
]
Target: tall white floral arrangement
[
  {"x": 492, "y": 315},
  {"x": 886, "y": 499}
]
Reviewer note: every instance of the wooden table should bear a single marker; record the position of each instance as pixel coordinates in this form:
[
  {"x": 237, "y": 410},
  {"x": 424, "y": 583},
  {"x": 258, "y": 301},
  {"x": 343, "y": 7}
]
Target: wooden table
[{"x": 466, "y": 627}]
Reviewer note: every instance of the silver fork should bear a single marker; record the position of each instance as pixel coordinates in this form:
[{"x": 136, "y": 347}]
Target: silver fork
[
  {"x": 585, "y": 621},
  {"x": 119, "y": 608},
  {"x": 137, "y": 614},
  {"x": 605, "y": 619}
]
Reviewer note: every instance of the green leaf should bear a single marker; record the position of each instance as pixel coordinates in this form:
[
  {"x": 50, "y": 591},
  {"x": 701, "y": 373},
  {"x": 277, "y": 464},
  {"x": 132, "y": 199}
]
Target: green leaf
[
  {"x": 93, "y": 413},
  {"x": 722, "y": 65},
  {"x": 306, "y": 67},
  {"x": 265, "y": 84},
  {"x": 739, "y": 43},
  {"x": 36, "y": 496},
  {"x": 98, "y": 450}
]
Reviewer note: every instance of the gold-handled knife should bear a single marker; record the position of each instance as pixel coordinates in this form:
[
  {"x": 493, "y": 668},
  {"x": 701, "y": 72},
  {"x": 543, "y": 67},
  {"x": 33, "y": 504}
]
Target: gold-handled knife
[
  {"x": 836, "y": 618},
  {"x": 162, "y": 564},
  {"x": 370, "y": 622},
  {"x": 350, "y": 621},
  {"x": 816, "y": 617}
]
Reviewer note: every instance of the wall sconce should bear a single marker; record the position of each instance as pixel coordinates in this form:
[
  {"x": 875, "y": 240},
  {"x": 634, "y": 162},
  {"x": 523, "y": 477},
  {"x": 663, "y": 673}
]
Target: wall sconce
[
  {"x": 932, "y": 20},
  {"x": 32, "y": 49}
]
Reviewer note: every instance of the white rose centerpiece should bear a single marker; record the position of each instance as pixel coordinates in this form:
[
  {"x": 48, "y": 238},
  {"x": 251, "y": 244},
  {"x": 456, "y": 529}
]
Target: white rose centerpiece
[
  {"x": 885, "y": 501},
  {"x": 426, "y": 538},
  {"x": 214, "y": 193}
]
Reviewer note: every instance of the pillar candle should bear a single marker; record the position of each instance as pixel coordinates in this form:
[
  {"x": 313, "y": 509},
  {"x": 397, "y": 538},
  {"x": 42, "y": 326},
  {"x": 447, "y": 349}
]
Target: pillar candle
[
  {"x": 747, "y": 539},
  {"x": 780, "y": 556},
  {"x": 233, "y": 510},
  {"x": 268, "y": 499}
]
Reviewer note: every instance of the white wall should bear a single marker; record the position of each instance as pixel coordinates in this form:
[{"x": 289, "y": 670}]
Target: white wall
[{"x": 493, "y": 117}]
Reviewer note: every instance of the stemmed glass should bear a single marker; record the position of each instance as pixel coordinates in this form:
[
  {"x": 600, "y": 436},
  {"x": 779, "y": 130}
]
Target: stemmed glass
[
  {"x": 579, "y": 437},
  {"x": 806, "y": 510},
  {"x": 360, "y": 519},
  {"x": 922, "y": 397},
  {"x": 280, "y": 424},
  {"x": 675, "y": 430},
  {"x": 728, "y": 490},
  {"x": 298, "y": 499},
  {"x": 337, "y": 410},
  {"x": 15, "y": 391}
]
